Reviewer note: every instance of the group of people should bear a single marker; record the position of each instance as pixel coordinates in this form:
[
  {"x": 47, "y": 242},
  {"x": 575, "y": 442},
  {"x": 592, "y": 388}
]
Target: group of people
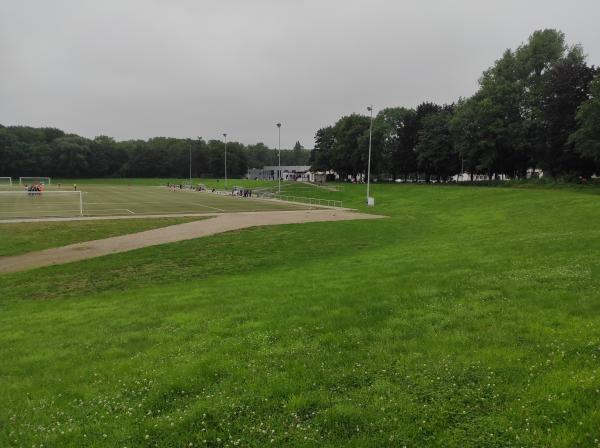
[
  {"x": 174, "y": 187},
  {"x": 35, "y": 189},
  {"x": 39, "y": 188},
  {"x": 243, "y": 192}
]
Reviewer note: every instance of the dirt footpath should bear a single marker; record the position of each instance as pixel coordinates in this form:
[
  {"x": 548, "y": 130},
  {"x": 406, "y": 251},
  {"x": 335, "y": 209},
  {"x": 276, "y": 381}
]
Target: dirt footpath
[{"x": 218, "y": 224}]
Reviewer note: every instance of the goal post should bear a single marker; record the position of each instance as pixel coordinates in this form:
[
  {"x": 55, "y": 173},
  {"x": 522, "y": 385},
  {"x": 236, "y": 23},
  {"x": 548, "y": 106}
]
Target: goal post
[
  {"x": 29, "y": 179},
  {"x": 5, "y": 181},
  {"x": 38, "y": 204}
]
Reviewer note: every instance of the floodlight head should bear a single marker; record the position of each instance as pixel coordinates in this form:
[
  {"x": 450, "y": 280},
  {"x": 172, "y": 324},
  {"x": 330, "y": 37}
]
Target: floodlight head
[
  {"x": 278, "y": 125},
  {"x": 369, "y": 108},
  {"x": 225, "y": 135}
]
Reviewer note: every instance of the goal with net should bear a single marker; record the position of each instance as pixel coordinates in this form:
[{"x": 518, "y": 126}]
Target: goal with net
[
  {"x": 38, "y": 204},
  {"x": 35, "y": 180},
  {"x": 5, "y": 181}
]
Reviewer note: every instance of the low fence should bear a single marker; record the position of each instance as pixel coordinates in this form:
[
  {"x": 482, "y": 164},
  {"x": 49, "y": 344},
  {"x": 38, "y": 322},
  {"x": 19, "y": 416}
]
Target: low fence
[
  {"x": 302, "y": 199},
  {"x": 262, "y": 194},
  {"x": 327, "y": 186}
]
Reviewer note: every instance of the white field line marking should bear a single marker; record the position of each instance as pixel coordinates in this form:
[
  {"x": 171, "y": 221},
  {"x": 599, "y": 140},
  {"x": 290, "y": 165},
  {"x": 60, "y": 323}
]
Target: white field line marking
[
  {"x": 40, "y": 202},
  {"x": 175, "y": 211},
  {"x": 166, "y": 212},
  {"x": 108, "y": 210},
  {"x": 44, "y": 211},
  {"x": 208, "y": 206},
  {"x": 149, "y": 203},
  {"x": 87, "y": 212},
  {"x": 97, "y": 210},
  {"x": 104, "y": 203},
  {"x": 195, "y": 212},
  {"x": 69, "y": 211}
]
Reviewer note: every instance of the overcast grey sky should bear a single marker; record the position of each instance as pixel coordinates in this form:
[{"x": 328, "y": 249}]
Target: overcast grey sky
[{"x": 143, "y": 68}]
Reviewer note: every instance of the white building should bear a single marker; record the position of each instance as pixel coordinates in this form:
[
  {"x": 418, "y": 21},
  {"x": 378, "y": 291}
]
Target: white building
[
  {"x": 288, "y": 172},
  {"x": 466, "y": 177}
]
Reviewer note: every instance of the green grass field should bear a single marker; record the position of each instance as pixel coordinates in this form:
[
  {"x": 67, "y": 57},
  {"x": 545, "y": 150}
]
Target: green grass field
[
  {"x": 124, "y": 198},
  {"x": 469, "y": 318},
  {"x": 20, "y": 238}
]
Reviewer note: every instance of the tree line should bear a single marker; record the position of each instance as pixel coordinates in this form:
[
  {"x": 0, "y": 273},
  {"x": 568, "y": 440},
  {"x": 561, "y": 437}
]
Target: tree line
[
  {"x": 536, "y": 108},
  {"x": 28, "y": 151}
]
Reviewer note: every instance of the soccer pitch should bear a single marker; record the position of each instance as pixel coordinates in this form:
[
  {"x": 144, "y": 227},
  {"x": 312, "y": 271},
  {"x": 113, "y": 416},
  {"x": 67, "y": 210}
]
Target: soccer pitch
[{"x": 118, "y": 200}]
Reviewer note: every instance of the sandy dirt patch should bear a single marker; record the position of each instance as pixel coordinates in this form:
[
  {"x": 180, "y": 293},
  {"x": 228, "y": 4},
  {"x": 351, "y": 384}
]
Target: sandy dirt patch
[{"x": 218, "y": 224}]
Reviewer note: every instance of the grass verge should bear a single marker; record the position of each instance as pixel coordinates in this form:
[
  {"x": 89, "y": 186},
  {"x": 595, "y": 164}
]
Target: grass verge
[{"x": 19, "y": 238}]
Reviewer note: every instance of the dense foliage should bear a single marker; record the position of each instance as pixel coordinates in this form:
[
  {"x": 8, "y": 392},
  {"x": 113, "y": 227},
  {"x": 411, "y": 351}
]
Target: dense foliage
[
  {"x": 536, "y": 109},
  {"x": 587, "y": 137},
  {"x": 27, "y": 151}
]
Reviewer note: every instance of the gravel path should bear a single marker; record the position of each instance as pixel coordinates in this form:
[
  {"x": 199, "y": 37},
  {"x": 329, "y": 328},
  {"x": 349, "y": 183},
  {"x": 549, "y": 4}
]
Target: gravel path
[{"x": 218, "y": 224}]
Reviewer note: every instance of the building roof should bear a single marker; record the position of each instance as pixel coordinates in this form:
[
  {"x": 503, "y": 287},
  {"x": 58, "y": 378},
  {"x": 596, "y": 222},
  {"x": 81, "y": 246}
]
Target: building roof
[{"x": 287, "y": 168}]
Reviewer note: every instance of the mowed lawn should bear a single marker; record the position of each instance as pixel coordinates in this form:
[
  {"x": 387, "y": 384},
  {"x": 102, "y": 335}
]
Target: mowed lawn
[
  {"x": 19, "y": 238},
  {"x": 469, "y": 318},
  {"x": 101, "y": 199}
]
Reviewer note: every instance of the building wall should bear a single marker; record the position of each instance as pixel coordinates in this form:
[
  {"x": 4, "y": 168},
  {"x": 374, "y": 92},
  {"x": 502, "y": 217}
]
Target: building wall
[{"x": 287, "y": 172}]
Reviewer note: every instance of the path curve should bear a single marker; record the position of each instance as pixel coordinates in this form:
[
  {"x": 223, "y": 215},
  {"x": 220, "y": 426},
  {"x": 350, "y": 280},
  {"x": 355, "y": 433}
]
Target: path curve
[{"x": 218, "y": 224}]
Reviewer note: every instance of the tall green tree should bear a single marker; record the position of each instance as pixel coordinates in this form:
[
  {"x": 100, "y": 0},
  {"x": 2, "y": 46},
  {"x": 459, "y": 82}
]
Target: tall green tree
[
  {"x": 587, "y": 136},
  {"x": 402, "y": 158},
  {"x": 543, "y": 64},
  {"x": 70, "y": 156},
  {"x": 524, "y": 110},
  {"x": 350, "y": 151},
  {"x": 435, "y": 149},
  {"x": 260, "y": 155},
  {"x": 394, "y": 140},
  {"x": 103, "y": 156},
  {"x": 566, "y": 86},
  {"x": 320, "y": 156}
]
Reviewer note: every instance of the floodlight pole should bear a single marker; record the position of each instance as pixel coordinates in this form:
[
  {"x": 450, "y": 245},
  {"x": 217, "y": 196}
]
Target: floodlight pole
[
  {"x": 279, "y": 160},
  {"x": 225, "y": 135},
  {"x": 370, "y": 109}
]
